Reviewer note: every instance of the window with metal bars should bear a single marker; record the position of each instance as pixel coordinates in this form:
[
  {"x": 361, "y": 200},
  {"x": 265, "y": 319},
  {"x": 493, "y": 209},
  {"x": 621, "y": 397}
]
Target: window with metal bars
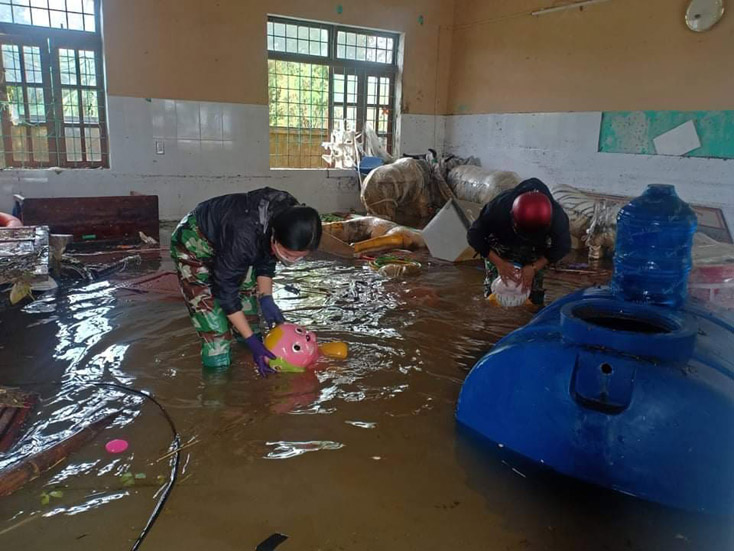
[
  {"x": 51, "y": 85},
  {"x": 323, "y": 78}
]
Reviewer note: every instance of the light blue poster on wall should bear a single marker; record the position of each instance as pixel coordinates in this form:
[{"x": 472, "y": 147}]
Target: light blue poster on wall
[{"x": 634, "y": 131}]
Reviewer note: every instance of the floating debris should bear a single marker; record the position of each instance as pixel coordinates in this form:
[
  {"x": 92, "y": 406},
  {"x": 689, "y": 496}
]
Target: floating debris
[
  {"x": 286, "y": 450},
  {"x": 16, "y": 476}
]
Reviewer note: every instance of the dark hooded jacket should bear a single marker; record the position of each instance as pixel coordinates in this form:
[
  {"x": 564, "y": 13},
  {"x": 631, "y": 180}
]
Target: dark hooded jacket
[
  {"x": 238, "y": 227},
  {"x": 494, "y": 229}
]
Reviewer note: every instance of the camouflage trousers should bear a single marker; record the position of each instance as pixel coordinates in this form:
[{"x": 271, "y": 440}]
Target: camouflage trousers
[
  {"x": 193, "y": 254},
  {"x": 537, "y": 292}
]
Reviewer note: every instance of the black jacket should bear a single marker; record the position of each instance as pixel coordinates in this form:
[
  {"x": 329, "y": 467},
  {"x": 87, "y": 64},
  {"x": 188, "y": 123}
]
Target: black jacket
[
  {"x": 494, "y": 231},
  {"x": 238, "y": 227}
]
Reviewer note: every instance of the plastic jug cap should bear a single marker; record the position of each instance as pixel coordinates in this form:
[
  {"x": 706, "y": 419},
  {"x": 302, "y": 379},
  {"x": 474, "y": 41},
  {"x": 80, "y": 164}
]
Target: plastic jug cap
[{"x": 661, "y": 189}]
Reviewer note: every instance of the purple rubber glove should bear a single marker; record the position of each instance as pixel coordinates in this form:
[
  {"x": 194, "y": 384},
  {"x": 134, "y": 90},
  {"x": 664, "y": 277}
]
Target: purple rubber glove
[
  {"x": 271, "y": 312},
  {"x": 260, "y": 354}
]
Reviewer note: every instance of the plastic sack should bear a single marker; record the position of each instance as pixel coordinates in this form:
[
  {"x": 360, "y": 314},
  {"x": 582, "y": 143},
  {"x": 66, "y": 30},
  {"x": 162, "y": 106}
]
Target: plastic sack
[
  {"x": 582, "y": 210},
  {"x": 706, "y": 250},
  {"x": 359, "y": 228},
  {"x": 712, "y": 277},
  {"x": 399, "y": 237},
  {"x": 372, "y": 145},
  {"x": 602, "y": 230},
  {"x": 370, "y": 234},
  {"x": 401, "y": 192},
  {"x": 509, "y": 294},
  {"x": 479, "y": 185}
]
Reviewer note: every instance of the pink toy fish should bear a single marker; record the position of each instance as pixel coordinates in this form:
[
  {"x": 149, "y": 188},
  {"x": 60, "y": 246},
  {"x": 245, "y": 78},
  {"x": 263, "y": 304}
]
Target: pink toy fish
[{"x": 296, "y": 348}]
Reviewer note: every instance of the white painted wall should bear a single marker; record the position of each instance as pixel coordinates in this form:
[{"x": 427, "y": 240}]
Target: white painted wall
[
  {"x": 419, "y": 133},
  {"x": 562, "y": 148}
]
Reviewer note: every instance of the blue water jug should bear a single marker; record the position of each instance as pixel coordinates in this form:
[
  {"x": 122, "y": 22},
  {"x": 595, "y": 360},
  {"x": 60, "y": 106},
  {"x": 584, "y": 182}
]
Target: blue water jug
[{"x": 652, "y": 258}]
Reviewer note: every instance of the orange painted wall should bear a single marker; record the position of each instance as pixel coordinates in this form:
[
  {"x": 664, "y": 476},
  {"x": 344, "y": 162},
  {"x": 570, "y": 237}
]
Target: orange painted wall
[
  {"x": 619, "y": 55},
  {"x": 215, "y": 50}
]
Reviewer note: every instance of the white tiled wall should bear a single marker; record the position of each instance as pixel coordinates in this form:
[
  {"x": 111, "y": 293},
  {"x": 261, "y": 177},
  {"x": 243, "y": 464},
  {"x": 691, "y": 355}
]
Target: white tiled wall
[
  {"x": 206, "y": 149},
  {"x": 162, "y": 136}
]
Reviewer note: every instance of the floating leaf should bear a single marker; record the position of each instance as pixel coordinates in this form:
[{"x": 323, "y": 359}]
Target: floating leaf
[
  {"x": 45, "y": 498},
  {"x": 139, "y": 476},
  {"x": 127, "y": 479},
  {"x": 57, "y": 494},
  {"x": 19, "y": 291},
  {"x": 160, "y": 479}
]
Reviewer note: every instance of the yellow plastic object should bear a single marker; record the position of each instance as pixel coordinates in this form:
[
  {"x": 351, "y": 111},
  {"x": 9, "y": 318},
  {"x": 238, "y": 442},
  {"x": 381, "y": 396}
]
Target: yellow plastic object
[
  {"x": 393, "y": 241},
  {"x": 492, "y": 300},
  {"x": 336, "y": 350},
  {"x": 529, "y": 306},
  {"x": 273, "y": 336}
]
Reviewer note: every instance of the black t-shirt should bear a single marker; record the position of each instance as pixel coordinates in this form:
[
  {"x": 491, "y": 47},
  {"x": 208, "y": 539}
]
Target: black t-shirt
[
  {"x": 494, "y": 230},
  {"x": 238, "y": 227}
]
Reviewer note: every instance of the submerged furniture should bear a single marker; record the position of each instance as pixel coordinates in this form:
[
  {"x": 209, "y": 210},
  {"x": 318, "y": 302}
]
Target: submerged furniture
[
  {"x": 633, "y": 396},
  {"x": 113, "y": 220}
]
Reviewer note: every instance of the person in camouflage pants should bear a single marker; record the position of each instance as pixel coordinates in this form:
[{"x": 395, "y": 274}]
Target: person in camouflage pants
[{"x": 192, "y": 254}]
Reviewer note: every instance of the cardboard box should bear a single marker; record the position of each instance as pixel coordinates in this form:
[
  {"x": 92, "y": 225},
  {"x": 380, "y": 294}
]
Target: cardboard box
[{"x": 445, "y": 235}]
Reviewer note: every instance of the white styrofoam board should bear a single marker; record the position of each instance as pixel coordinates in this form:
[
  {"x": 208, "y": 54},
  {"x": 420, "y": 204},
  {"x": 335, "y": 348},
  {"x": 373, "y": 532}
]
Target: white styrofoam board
[
  {"x": 445, "y": 234},
  {"x": 678, "y": 141}
]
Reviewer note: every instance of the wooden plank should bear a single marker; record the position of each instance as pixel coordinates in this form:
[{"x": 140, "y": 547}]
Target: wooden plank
[
  {"x": 331, "y": 245},
  {"x": 13, "y": 430},
  {"x": 18, "y": 474},
  {"x": 117, "y": 218}
]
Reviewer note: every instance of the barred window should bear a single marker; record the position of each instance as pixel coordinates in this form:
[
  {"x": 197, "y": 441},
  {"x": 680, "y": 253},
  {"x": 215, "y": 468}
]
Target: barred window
[
  {"x": 52, "y": 88},
  {"x": 323, "y": 77}
]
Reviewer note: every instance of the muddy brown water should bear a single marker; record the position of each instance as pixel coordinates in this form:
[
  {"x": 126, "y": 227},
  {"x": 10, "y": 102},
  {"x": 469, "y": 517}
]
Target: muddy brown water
[{"x": 362, "y": 455}]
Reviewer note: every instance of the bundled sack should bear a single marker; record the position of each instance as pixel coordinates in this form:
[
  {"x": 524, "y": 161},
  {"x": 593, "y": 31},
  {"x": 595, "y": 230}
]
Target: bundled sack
[
  {"x": 402, "y": 192},
  {"x": 370, "y": 234},
  {"x": 479, "y": 185},
  {"x": 583, "y": 210}
]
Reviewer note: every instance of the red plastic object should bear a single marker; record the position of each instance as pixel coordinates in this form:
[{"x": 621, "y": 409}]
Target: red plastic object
[{"x": 532, "y": 211}]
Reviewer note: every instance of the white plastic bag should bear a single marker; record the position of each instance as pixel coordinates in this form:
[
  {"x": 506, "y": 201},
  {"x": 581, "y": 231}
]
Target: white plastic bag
[{"x": 509, "y": 294}]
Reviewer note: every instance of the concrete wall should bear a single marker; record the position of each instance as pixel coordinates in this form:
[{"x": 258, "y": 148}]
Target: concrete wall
[
  {"x": 527, "y": 91},
  {"x": 192, "y": 75},
  {"x": 561, "y": 148},
  {"x": 215, "y": 50},
  {"x": 624, "y": 55}
]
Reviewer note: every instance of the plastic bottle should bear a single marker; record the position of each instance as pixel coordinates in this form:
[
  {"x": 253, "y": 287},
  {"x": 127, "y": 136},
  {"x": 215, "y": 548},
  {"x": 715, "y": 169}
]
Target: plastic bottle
[{"x": 652, "y": 257}]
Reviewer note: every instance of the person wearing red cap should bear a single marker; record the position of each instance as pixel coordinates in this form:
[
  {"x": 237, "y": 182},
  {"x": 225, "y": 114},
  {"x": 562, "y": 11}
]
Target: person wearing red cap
[{"x": 518, "y": 234}]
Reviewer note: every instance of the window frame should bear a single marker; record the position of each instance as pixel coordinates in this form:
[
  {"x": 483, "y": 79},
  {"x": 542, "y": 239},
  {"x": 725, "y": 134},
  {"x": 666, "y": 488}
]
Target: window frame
[
  {"x": 339, "y": 66},
  {"x": 50, "y": 40}
]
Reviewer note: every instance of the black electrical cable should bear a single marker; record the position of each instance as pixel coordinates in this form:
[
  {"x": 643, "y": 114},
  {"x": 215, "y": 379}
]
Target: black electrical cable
[{"x": 176, "y": 445}]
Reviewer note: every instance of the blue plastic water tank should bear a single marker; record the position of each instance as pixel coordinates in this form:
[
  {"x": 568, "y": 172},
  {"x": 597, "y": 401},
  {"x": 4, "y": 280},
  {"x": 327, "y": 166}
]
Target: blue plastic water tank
[
  {"x": 632, "y": 397},
  {"x": 652, "y": 257}
]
